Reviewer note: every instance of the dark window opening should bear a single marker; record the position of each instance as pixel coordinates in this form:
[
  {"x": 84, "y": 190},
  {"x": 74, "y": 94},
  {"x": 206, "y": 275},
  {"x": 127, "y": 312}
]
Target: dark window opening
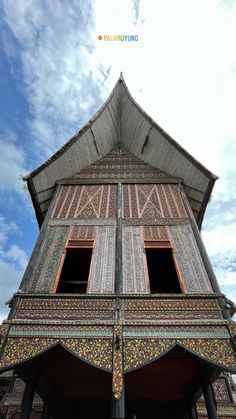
[
  {"x": 162, "y": 272},
  {"x": 75, "y": 271}
]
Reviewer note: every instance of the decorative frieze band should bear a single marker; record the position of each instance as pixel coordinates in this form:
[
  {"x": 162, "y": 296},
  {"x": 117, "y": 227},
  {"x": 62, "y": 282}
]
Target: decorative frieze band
[
  {"x": 155, "y": 316},
  {"x": 76, "y": 315},
  {"x": 154, "y": 221},
  {"x": 69, "y": 304},
  {"x": 79, "y": 222},
  {"x": 61, "y": 331},
  {"x": 177, "y": 332},
  {"x": 171, "y": 304}
]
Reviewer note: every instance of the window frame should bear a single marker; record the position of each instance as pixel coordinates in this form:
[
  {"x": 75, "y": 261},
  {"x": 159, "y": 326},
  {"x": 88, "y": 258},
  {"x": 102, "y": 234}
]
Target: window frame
[
  {"x": 163, "y": 244},
  {"x": 75, "y": 244}
]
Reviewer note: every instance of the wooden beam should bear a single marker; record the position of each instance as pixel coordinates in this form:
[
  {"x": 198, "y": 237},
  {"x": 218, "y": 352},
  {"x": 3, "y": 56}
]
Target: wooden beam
[
  {"x": 193, "y": 412},
  {"x": 46, "y": 411},
  {"x": 210, "y": 401},
  {"x": 118, "y": 255},
  {"x": 118, "y": 407},
  {"x": 27, "y": 401}
]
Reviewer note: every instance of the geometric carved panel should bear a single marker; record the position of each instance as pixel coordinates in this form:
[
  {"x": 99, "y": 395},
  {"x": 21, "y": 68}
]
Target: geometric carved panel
[
  {"x": 180, "y": 304},
  {"x": 120, "y": 164},
  {"x": 152, "y": 201},
  {"x": 48, "y": 260},
  {"x": 166, "y": 308},
  {"x": 221, "y": 390},
  {"x": 103, "y": 270},
  {"x": 65, "y": 308},
  {"x": 189, "y": 259},
  {"x": 82, "y": 233},
  {"x": 155, "y": 232},
  {"x": 67, "y": 304},
  {"x": 87, "y": 202},
  {"x": 134, "y": 277}
]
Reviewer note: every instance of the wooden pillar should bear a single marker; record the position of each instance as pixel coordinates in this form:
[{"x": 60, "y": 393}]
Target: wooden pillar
[
  {"x": 27, "y": 401},
  {"x": 192, "y": 412},
  {"x": 46, "y": 411},
  {"x": 118, "y": 407},
  {"x": 210, "y": 402},
  {"x": 118, "y": 255}
]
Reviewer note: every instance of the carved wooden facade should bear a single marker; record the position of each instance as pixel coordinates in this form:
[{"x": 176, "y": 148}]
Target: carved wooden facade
[{"x": 120, "y": 208}]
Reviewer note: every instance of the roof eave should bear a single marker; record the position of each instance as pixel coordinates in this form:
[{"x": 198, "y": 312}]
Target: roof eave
[
  {"x": 205, "y": 202},
  {"x": 34, "y": 198}
]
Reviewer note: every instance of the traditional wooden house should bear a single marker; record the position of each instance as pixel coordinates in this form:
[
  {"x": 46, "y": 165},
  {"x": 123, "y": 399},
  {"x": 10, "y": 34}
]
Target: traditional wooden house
[{"x": 119, "y": 314}]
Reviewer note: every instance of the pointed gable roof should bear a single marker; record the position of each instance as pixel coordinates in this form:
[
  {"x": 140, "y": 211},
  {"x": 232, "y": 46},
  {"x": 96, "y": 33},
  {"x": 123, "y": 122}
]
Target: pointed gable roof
[{"x": 121, "y": 121}]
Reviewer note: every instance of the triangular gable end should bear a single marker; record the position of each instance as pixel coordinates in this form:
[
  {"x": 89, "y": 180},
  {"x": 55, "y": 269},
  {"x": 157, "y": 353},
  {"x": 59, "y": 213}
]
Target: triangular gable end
[
  {"x": 121, "y": 165},
  {"x": 121, "y": 122}
]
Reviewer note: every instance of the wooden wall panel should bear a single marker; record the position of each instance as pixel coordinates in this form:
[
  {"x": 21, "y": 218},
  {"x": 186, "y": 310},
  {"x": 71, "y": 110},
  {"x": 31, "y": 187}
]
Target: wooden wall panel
[
  {"x": 134, "y": 276},
  {"x": 103, "y": 269},
  {"x": 101, "y": 278},
  {"x": 189, "y": 259},
  {"x": 147, "y": 201},
  {"x": 86, "y": 202},
  {"x": 155, "y": 233},
  {"x": 48, "y": 260},
  {"x": 82, "y": 233}
]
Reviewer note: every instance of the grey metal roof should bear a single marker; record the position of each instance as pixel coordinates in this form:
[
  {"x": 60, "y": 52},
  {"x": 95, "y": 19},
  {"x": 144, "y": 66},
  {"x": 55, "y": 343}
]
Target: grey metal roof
[{"x": 121, "y": 121}]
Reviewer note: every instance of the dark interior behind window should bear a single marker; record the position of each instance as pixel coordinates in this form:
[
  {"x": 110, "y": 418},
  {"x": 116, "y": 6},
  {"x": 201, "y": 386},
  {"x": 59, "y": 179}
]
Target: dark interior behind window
[
  {"x": 162, "y": 271},
  {"x": 75, "y": 271}
]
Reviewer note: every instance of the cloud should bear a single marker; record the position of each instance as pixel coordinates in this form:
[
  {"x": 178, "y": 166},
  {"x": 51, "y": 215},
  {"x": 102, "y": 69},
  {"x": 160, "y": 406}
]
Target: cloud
[
  {"x": 225, "y": 268},
  {"x": 13, "y": 163},
  {"x": 62, "y": 79},
  {"x": 13, "y": 261},
  {"x": 9, "y": 282},
  {"x": 229, "y": 3},
  {"x": 6, "y": 228},
  {"x": 18, "y": 256},
  {"x": 220, "y": 239},
  {"x": 220, "y": 221},
  {"x": 136, "y": 5}
]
